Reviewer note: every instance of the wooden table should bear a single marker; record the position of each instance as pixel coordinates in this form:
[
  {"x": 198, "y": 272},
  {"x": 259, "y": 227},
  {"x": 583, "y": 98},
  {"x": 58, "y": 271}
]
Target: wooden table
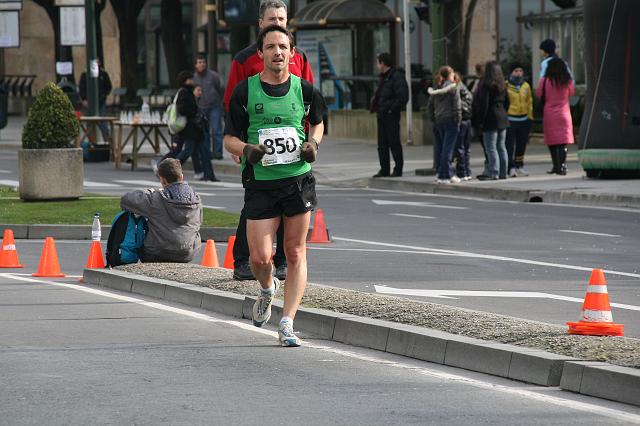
[
  {"x": 89, "y": 127},
  {"x": 151, "y": 133}
]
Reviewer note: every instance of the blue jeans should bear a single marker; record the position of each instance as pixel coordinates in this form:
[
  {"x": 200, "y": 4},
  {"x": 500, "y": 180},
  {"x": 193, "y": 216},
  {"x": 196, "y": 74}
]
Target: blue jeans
[
  {"x": 497, "y": 159},
  {"x": 446, "y": 136},
  {"x": 214, "y": 115}
]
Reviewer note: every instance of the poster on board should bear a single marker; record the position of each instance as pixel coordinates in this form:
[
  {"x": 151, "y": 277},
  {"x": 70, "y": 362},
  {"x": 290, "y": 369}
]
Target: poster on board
[
  {"x": 72, "y": 29},
  {"x": 9, "y": 29}
]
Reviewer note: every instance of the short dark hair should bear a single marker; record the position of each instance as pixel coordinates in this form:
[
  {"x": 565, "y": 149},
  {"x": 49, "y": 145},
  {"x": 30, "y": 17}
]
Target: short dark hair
[
  {"x": 385, "y": 58},
  {"x": 200, "y": 58},
  {"x": 183, "y": 76},
  {"x": 270, "y": 29},
  {"x": 271, "y": 4},
  {"x": 170, "y": 169}
]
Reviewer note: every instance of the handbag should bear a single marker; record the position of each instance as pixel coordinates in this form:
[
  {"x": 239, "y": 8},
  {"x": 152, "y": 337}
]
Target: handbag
[{"x": 175, "y": 122}]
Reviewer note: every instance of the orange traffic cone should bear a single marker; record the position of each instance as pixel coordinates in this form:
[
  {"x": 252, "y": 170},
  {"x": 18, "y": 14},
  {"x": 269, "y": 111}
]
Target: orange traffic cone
[
  {"x": 210, "y": 256},
  {"x": 596, "y": 318},
  {"x": 320, "y": 233},
  {"x": 95, "y": 259},
  {"x": 228, "y": 256},
  {"x": 49, "y": 266},
  {"x": 8, "y": 252}
]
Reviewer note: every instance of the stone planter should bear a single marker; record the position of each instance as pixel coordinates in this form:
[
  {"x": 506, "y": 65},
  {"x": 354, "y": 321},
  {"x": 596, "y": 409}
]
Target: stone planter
[{"x": 51, "y": 174}]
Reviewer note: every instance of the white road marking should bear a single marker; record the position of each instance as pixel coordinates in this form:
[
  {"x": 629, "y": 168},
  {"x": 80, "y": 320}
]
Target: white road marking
[
  {"x": 450, "y": 294},
  {"x": 9, "y": 182},
  {"x": 138, "y": 183},
  {"x": 92, "y": 184},
  {"x": 6, "y": 171},
  {"x": 487, "y": 256},
  {"x": 213, "y": 207},
  {"x": 415, "y": 204},
  {"x": 588, "y": 233},
  {"x": 207, "y": 194},
  {"x": 412, "y": 215},
  {"x": 354, "y": 354}
]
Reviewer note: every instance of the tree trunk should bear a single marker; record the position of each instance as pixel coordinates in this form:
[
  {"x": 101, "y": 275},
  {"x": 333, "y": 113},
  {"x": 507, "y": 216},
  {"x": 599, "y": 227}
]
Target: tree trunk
[
  {"x": 62, "y": 53},
  {"x": 453, "y": 31},
  {"x": 99, "y": 8},
  {"x": 172, "y": 38},
  {"x": 468, "y": 27},
  {"x": 127, "y": 12}
]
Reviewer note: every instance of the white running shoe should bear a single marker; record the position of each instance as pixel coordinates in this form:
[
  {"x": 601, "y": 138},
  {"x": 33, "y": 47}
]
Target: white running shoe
[
  {"x": 443, "y": 181},
  {"x": 455, "y": 179},
  {"x": 513, "y": 172},
  {"x": 198, "y": 176},
  {"x": 262, "y": 307},
  {"x": 286, "y": 335},
  {"x": 522, "y": 172}
]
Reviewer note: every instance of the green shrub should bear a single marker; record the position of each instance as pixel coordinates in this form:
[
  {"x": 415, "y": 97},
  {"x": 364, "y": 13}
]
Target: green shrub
[{"x": 51, "y": 122}]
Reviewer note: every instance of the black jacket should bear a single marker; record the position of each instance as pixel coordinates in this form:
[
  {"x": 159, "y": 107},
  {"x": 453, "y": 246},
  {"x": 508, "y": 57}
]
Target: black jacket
[
  {"x": 393, "y": 94},
  {"x": 104, "y": 86},
  {"x": 188, "y": 107},
  {"x": 490, "y": 108}
]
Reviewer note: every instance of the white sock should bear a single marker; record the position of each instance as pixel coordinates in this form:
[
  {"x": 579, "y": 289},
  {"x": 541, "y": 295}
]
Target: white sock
[
  {"x": 270, "y": 290},
  {"x": 287, "y": 319}
]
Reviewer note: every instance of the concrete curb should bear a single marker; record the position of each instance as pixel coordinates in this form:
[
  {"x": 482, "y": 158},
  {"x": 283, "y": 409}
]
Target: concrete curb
[
  {"x": 83, "y": 232},
  {"x": 509, "y": 194},
  {"x": 518, "y": 363}
]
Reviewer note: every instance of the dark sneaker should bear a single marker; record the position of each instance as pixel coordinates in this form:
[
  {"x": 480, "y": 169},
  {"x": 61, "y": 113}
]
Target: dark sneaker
[
  {"x": 280, "y": 272},
  {"x": 243, "y": 272}
]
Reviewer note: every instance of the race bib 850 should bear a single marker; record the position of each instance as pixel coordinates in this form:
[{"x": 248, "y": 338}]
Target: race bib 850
[{"x": 282, "y": 144}]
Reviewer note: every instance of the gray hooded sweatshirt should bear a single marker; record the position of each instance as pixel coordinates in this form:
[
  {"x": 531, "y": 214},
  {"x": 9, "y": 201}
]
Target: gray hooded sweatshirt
[{"x": 175, "y": 216}]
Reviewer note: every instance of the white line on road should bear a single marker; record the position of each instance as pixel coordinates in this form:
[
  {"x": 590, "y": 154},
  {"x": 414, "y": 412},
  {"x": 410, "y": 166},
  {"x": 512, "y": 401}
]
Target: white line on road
[
  {"x": 208, "y": 194},
  {"x": 354, "y": 354},
  {"x": 486, "y": 256},
  {"x": 588, "y": 233},
  {"x": 9, "y": 182},
  {"x": 412, "y": 215},
  {"x": 450, "y": 294},
  {"x": 213, "y": 207},
  {"x": 415, "y": 204},
  {"x": 144, "y": 183},
  {"x": 92, "y": 184},
  {"x": 6, "y": 171}
]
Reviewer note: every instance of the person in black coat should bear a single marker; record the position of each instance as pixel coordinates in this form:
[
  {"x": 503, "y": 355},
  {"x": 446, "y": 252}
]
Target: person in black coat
[
  {"x": 193, "y": 133},
  {"x": 490, "y": 106},
  {"x": 390, "y": 98}
]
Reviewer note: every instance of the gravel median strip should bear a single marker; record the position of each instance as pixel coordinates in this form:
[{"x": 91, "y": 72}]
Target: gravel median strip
[{"x": 621, "y": 351}]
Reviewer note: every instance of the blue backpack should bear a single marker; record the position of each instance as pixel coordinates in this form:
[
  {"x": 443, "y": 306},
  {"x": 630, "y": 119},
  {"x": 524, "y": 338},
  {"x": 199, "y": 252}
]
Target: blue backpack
[{"x": 126, "y": 239}]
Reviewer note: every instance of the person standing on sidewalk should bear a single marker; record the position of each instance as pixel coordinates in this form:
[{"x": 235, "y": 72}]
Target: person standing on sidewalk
[
  {"x": 210, "y": 104},
  {"x": 266, "y": 127},
  {"x": 490, "y": 107},
  {"x": 462, "y": 152},
  {"x": 244, "y": 65},
  {"x": 444, "y": 108},
  {"x": 520, "y": 114},
  {"x": 193, "y": 133},
  {"x": 556, "y": 87},
  {"x": 390, "y": 98}
]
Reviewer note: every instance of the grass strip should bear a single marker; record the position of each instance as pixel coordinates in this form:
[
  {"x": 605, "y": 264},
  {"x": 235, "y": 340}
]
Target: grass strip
[{"x": 80, "y": 212}]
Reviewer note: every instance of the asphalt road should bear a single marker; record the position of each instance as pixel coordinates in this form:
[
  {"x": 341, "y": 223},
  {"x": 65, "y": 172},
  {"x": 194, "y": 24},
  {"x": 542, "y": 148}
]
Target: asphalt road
[
  {"x": 425, "y": 247},
  {"x": 76, "y": 355}
]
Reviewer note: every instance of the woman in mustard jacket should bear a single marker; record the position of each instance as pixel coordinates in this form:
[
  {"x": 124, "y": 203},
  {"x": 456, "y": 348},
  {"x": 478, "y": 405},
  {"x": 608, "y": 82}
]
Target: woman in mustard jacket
[{"x": 520, "y": 114}]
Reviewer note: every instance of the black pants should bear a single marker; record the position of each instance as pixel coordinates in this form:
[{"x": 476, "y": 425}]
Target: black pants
[
  {"x": 559, "y": 159},
  {"x": 517, "y": 140},
  {"x": 389, "y": 139},
  {"x": 241, "y": 246}
]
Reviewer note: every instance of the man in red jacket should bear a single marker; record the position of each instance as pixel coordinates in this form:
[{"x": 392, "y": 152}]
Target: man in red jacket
[{"x": 245, "y": 64}]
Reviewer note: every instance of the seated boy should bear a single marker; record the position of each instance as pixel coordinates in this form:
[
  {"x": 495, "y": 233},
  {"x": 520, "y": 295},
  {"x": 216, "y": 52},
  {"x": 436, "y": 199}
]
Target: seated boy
[{"x": 174, "y": 216}]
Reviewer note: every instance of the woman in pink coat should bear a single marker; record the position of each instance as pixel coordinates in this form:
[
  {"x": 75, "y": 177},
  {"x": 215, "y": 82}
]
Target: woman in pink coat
[{"x": 555, "y": 88}]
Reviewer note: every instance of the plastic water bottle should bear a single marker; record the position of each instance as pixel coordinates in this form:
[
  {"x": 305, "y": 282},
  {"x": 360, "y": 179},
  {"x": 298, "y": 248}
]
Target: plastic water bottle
[
  {"x": 96, "y": 232},
  {"x": 145, "y": 112}
]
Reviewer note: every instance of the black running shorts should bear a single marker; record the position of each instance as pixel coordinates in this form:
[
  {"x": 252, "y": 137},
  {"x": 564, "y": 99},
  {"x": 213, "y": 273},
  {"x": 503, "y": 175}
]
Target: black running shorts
[{"x": 297, "y": 198}]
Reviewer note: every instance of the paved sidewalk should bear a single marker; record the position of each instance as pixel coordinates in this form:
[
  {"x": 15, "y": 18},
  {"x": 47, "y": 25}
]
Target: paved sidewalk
[{"x": 353, "y": 162}]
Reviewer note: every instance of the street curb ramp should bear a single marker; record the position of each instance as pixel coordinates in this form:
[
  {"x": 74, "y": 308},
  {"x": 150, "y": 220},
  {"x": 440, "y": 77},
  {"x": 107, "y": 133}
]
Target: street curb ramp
[{"x": 591, "y": 378}]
